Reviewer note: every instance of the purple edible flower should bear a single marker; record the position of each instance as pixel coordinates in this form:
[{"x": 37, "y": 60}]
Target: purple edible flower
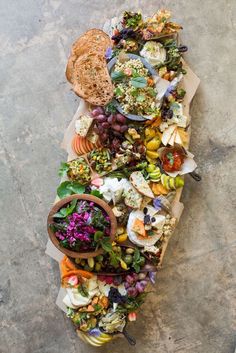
[
  {"x": 108, "y": 54},
  {"x": 157, "y": 203},
  {"x": 94, "y": 332},
  {"x": 152, "y": 277}
]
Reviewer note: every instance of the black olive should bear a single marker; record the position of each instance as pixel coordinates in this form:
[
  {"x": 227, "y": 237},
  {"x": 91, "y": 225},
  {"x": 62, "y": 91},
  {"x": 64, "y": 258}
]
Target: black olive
[
  {"x": 182, "y": 48},
  {"x": 147, "y": 219},
  {"x": 145, "y": 210},
  {"x": 153, "y": 219}
]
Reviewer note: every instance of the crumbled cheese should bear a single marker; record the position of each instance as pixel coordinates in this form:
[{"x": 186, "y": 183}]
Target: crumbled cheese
[{"x": 82, "y": 125}]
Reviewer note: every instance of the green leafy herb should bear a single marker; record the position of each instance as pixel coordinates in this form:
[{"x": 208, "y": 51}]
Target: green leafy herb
[
  {"x": 114, "y": 259},
  {"x": 66, "y": 211},
  {"x": 97, "y": 307},
  {"x": 57, "y": 226},
  {"x": 67, "y": 188},
  {"x": 135, "y": 73},
  {"x": 151, "y": 91},
  {"x": 136, "y": 260},
  {"x": 134, "y": 92},
  {"x": 106, "y": 244},
  {"x": 96, "y": 193},
  {"x": 139, "y": 82},
  {"x": 64, "y": 168},
  {"x": 117, "y": 75},
  {"x": 170, "y": 158},
  {"x": 140, "y": 98},
  {"x": 64, "y": 243},
  {"x": 132, "y": 19},
  {"x": 132, "y": 303},
  {"x": 118, "y": 91},
  {"x": 98, "y": 235},
  {"x": 110, "y": 107},
  {"x": 70, "y": 312},
  {"x": 181, "y": 92},
  {"x": 82, "y": 289}
]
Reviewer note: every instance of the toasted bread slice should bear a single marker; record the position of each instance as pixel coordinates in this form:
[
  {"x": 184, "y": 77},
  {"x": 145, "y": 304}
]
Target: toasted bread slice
[
  {"x": 92, "y": 80},
  {"x": 93, "y": 40}
]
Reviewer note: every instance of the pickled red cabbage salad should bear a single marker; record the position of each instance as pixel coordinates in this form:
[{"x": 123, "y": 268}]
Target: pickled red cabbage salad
[{"x": 82, "y": 226}]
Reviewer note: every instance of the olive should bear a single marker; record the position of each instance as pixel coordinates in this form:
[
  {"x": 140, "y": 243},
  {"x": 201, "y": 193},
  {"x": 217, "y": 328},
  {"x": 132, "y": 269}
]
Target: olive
[
  {"x": 128, "y": 259},
  {"x": 98, "y": 267},
  {"x": 77, "y": 261},
  {"x": 87, "y": 268},
  {"x": 129, "y": 251},
  {"x": 99, "y": 258},
  {"x": 83, "y": 262}
]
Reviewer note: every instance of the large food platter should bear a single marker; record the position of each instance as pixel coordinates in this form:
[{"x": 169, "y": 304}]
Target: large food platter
[{"x": 118, "y": 202}]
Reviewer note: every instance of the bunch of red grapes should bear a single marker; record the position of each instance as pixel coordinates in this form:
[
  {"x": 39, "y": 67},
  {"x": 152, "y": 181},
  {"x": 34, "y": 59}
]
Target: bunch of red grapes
[
  {"x": 135, "y": 283},
  {"x": 110, "y": 127}
]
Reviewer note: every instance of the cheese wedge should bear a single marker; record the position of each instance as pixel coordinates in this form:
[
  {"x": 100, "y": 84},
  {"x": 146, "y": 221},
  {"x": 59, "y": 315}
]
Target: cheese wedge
[
  {"x": 178, "y": 138},
  {"x": 166, "y": 136},
  {"x": 172, "y": 139}
]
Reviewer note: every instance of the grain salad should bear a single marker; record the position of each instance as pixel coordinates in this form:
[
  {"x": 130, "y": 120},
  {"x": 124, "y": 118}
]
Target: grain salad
[{"x": 135, "y": 88}]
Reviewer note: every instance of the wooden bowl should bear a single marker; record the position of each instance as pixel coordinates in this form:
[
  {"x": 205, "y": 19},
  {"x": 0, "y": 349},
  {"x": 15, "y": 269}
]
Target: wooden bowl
[{"x": 102, "y": 204}]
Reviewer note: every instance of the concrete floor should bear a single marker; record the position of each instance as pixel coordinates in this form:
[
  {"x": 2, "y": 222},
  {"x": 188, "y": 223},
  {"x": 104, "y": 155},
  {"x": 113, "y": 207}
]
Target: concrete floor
[{"x": 194, "y": 307}]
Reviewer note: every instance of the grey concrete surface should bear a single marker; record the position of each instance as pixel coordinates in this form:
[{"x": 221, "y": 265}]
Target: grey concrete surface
[{"x": 194, "y": 307}]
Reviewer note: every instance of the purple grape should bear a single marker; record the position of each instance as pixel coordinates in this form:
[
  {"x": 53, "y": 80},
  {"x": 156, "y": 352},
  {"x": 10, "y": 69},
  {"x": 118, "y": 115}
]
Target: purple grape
[
  {"x": 121, "y": 118},
  {"x": 132, "y": 291},
  {"x": 105, "y": 125},
  {"x": 103, "y": 137},
  {"x": 126, "y": 284},
  {"x": 129, "y": 279},
  {"x": 144, "y": 283},
  {"x": 111, "y": 119},
  {"x": 123, "y": 128},
  {"x": 116, "y": 127},
  {"x": 97, "y": 111},
  {"x": 117, "y": 134},
  {"x": 135, "y": 277},
  {"x": 139, "y": 287},
  {"x": 100, "y": 129},
  {"x": 101, "y": 118}
]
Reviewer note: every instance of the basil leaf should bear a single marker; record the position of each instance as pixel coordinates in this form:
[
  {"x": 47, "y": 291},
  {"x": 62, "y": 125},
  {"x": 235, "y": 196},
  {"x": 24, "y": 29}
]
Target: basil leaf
[
  {"x": 138, "y": 82},
  {"x": 117, "y": 75}
]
